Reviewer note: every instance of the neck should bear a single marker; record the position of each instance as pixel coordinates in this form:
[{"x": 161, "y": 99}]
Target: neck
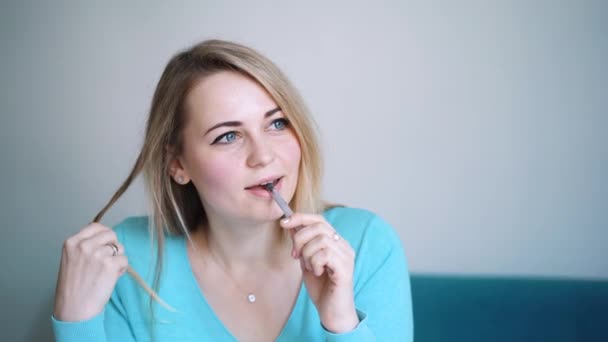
[{"x": 244, "y": 245}]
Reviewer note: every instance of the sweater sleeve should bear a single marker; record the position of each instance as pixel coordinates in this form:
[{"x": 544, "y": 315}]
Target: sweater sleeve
[
  {"x": 109, "y": 325},
  {"x": 382, "y": 288}
]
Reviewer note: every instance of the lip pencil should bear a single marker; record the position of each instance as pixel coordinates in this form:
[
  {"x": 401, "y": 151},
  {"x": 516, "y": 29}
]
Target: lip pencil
[{"x": 280, "y": 201}]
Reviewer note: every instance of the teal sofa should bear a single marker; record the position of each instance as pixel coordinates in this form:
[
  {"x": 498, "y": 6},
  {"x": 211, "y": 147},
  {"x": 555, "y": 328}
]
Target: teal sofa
[{"x": 468, "y": 308}]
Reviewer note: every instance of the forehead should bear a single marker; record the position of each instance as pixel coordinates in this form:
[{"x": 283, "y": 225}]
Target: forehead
[{"x": 227, "y": 96}]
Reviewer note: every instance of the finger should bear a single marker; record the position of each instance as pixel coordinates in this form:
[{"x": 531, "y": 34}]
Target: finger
[
  {"x": 319, "y": 261},
  {"x": 107, "y": 249},
  {"x": 330, "y": 261},
  {"x": 306, "y": 234},
  {"x": 292, "y": 234},
  {"x": 108, "y": 238},
  {"x": 100, "y": 243},
  {"x": 90, "y": 230},
  {"x": 328, "y": 245},
  {"x": 318, "y": 243},
  {"x": 117, "y": 264},
  {"x": 105, "y": 237},
  {"x": 122, "y": 263},
  {"x": 85, "y": 233},
  {"x": 121, "y": 248},
  {"x": 303, "y": 266},
  {"x": 343, "y": 248},
  {"x": 299, "y": 219}
]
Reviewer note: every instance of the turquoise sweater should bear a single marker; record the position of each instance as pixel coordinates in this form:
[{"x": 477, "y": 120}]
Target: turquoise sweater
[{"x": 381, "y": 282}]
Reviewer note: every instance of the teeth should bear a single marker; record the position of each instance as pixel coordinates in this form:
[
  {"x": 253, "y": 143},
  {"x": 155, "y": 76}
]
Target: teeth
[{"x": 271, "y": 182}]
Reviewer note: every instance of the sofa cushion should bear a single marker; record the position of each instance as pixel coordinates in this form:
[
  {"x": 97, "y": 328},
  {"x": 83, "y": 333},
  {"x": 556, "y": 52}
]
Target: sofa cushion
[{"x": 469, "y": 308}]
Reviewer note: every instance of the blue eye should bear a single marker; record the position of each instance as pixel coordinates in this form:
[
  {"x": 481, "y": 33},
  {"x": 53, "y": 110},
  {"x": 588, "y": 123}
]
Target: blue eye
[
  {"x": 280, "y": 124},
  {"x": 225, "y": 138}
]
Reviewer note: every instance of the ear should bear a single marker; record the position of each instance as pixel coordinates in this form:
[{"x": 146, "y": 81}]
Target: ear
[{"x": 176, "y": 168}]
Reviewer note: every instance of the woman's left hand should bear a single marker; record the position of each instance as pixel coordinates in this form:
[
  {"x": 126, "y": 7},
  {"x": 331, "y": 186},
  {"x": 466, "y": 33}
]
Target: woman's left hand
[{"x": 327, "y": 262}]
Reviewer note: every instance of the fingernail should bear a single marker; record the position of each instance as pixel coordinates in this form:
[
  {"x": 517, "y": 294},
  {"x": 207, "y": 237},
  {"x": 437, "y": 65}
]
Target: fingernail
[
  {"x": 285, "y": 220},
  {"x": 293, "y": 253}
]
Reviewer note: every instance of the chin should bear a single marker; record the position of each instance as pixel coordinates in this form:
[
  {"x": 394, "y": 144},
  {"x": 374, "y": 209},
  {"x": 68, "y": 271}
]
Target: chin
[
  {"x": 274, "y": 214},
  {"x": 261, "y": 214}
]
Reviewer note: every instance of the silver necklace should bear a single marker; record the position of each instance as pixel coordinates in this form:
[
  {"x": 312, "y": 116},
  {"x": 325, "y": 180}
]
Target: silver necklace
[{"x": 251, "y": 298}]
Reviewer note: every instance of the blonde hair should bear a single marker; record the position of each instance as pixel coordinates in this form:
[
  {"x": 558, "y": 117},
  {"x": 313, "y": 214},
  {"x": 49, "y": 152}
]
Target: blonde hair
[{"x": 177, "y": 209}]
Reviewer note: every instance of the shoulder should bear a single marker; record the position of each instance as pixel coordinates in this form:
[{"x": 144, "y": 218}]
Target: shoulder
[
  {"x": 376, "y": 244},
  {"x": 362, "y": 228},
  {"x": 133, "y": 232},
  {"x": 137, "y": 236}
]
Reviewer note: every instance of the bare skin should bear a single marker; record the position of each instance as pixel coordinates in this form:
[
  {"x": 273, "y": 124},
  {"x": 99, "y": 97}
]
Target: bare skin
[{"x": 276, "y": 286}]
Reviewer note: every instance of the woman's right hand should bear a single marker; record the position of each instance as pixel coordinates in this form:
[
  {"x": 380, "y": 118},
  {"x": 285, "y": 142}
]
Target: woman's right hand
[{"x": 88, "y": 273}]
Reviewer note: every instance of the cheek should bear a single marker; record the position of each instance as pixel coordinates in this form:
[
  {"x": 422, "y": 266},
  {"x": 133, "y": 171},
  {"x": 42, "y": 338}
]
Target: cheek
[
  {"x": 293, "y": 152},
  {"x": 215, "y": 174}
]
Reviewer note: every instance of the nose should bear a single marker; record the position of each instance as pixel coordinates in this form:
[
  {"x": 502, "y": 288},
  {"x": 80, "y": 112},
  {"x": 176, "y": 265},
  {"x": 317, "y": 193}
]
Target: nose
[{"x": 260, "y": 153}]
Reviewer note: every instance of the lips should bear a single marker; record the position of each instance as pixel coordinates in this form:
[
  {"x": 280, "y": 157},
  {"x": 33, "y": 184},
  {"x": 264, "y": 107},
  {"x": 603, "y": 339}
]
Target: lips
[{"x": 274, "y": 181}]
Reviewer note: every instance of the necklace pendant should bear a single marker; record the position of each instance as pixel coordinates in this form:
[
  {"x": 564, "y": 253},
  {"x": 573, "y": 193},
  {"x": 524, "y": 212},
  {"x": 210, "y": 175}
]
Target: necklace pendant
[{"x": 251, "y": 298}]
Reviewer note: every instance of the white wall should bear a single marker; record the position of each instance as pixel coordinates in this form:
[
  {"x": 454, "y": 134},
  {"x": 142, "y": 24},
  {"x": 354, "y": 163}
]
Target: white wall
[{"x": 477, "y": 128}]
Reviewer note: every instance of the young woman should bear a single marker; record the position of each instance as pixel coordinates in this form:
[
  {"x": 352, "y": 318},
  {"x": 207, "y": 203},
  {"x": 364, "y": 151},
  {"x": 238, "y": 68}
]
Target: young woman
[{"x": 223, "y": 263}]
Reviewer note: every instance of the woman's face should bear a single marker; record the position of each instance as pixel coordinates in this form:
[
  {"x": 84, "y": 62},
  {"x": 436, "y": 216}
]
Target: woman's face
[{"x": 235, "y": 139}]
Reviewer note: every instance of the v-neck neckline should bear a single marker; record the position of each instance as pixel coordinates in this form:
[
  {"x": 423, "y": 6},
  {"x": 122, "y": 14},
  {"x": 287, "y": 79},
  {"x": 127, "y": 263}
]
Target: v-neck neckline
[{"x": 192, "y": 278}]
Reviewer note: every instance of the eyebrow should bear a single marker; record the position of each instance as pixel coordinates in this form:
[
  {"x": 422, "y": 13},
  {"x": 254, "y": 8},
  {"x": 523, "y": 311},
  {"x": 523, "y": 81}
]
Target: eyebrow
[{"x": 238, "y": 123}]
